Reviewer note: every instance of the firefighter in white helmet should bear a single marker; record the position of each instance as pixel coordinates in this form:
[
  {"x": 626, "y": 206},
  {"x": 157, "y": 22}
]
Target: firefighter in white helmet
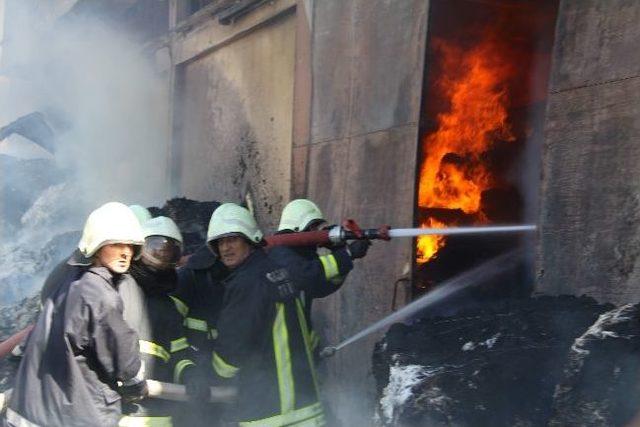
[
  {"x": 150, "y": 311},
  {"x": 261, "y": 316},
  {"x": 141, "y": 213},
  {"x": 320, "y": 275},
  {"x": 81, "y": 356}
]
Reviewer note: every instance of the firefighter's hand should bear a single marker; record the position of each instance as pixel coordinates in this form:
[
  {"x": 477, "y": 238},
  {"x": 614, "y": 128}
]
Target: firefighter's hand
[
  {"x": 358, "y": 248},
  {"x": 134, "y": 392}
]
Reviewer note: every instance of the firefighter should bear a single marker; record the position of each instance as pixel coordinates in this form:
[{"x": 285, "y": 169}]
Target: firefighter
[
  {"x": 151, "y": 312},
  {"x": 81, "y": 357},
  {"x": 76, "y": 263},
  {"x": 319, "y": 275},
  {"x": 141, "y": 213},
  {"x": 263, "y": 340}
]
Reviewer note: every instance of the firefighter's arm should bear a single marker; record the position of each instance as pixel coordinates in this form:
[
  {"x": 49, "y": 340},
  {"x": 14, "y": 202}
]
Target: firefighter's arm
[
  {"x": 335, "y": 267},
  {"x": 182, "y": 353},
  {"x": 116, "y": 344},
  {"x": 95, "y": 326},
  {"x": 184, "y": 299},
  {"x": 318, "y": 277}
]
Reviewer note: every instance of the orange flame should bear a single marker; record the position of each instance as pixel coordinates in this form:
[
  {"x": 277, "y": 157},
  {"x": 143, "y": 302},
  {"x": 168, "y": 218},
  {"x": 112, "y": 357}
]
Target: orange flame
[
  {"x": 453, "y": 173},
  {"x": 428, "y": 246}
]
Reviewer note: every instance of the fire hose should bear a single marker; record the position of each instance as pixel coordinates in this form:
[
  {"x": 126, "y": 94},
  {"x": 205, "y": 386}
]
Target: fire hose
[
  {"x": 177, "y": 392},
  {"x": 166, "y": 391},
  {"x": 8, "y": 345}
]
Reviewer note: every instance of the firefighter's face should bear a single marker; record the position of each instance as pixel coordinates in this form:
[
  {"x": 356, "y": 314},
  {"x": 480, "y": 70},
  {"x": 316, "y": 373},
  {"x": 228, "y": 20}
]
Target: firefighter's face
[
  {"x": 116, "y": 257},
  {"x": 233, "y": 250}
]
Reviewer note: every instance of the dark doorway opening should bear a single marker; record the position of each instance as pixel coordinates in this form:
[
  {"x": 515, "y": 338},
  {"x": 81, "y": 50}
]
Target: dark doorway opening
[{"x": 484, "y": 94}]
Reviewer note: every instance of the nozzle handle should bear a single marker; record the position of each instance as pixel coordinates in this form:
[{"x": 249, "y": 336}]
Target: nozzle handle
[{"x": 381, "y": 233}]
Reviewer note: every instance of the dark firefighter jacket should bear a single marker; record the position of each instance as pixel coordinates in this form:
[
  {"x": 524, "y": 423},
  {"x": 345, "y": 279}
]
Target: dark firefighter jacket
[
  {"x": 79, "y": 349},
  {"x": 199, "y": 297},
  {"x": 150, "y": 311},
  {"x": 317, "y": 275},
  {"x": 264, "y": 343}
]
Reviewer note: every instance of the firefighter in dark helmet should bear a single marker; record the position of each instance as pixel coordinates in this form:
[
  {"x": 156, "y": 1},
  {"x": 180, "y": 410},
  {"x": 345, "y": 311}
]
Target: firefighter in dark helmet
[
  {"x": 263, "y": 339},
  {"x": 149, "y": 309}
]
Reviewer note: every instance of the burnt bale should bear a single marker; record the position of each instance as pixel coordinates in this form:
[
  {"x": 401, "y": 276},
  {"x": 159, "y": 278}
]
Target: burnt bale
[
  {"x": 192, "y": 218},
  {"x": 601, "y": 381},
  {"x": 494, "y": 365}
]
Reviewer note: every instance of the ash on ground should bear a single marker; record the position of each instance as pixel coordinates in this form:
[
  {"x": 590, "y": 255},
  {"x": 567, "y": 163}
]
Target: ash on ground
[{"x": 546, "y": 361}]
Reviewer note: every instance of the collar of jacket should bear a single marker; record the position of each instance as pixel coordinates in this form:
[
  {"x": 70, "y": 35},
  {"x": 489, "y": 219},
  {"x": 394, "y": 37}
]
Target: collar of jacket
[
  {"x": 153, "y": 282},
  {"x": 78, "y": 260},
  {"x": 108, "y": 275}
]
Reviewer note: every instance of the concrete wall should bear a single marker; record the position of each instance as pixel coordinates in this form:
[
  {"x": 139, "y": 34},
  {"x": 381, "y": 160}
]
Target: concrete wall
[
  {"x": 359, "y": 162},
  {"x": 233, "y": 112},
  {"x": 590, "y": 237},
  {"x": 338, "y": 125}
]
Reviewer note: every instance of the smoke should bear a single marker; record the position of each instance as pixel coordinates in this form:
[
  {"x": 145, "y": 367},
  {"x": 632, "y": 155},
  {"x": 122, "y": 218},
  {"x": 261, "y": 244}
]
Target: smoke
[{"x": 101, "y": 94}]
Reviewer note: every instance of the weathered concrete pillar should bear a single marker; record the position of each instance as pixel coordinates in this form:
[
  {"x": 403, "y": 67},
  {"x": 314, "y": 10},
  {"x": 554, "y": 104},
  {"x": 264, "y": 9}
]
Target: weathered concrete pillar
[
  {"x": 367, "y": 71},
  {"x": 590, "y": 213}
]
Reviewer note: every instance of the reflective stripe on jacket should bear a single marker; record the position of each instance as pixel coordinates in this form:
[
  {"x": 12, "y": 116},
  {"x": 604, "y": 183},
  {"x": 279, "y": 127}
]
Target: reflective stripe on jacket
[{"x": 318, "y": 275}]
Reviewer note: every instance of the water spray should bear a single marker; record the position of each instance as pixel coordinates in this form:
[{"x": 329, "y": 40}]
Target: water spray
[{"x": 468, "y": 279}]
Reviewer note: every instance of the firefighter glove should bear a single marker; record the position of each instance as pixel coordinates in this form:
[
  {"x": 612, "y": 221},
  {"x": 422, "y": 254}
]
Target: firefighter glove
[
  {"x": 283, "y": 287},
  {"x": 358, "y": 248},
  {"x": 134, "y": 392}
]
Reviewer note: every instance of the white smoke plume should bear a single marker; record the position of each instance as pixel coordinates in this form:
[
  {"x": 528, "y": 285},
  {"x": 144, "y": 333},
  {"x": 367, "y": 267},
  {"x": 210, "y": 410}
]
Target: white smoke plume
[{"x": 108, "y": 106}]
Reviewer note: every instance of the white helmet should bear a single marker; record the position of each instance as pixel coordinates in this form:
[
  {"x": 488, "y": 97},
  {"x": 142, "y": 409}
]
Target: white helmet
[
  {"x": 141, "y": 213},
  {"x": 162, "y": 226},
  {"x": 299, "y": 214},
  {"x": 230, "y": 219},
  {"x": 111, "y": 223}
]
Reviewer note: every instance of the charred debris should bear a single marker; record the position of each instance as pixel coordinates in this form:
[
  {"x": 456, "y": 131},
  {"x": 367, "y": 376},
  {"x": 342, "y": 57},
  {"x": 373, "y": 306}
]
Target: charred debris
[{"x": 544, "y": 361}]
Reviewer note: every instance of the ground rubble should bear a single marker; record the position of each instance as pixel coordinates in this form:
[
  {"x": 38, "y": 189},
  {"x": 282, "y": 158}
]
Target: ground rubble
[
  {"x": 545, "y": 361},
  {"x": 13, "y": 319}
]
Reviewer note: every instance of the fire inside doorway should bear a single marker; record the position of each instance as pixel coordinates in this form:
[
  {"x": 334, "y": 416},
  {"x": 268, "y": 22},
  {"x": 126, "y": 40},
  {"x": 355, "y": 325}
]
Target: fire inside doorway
[{"x": 484, "y": 93}]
